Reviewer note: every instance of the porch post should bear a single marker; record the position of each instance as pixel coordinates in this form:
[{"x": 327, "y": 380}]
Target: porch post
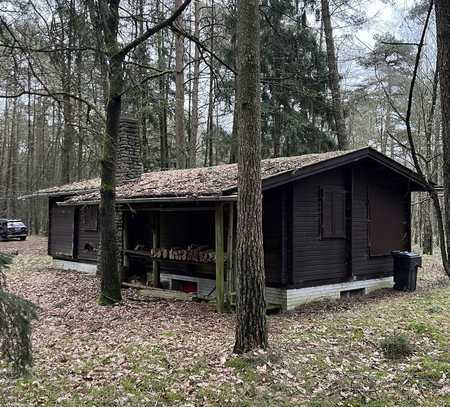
[
  {"x": 220, "y": 278},
  {"x": 156, "y": 244},
  {"x": 231, "y": 278}
]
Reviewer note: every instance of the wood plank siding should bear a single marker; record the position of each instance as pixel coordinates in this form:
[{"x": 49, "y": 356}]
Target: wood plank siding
[
  {"x": 330, "y": 227},
  {"x": 316, "y": 259},
  {"x": 88, "y": 233},
  {"x": 368, "y": 183},
  {"x": 319, "y": 260},
  {"x": 61, "y": 236}
]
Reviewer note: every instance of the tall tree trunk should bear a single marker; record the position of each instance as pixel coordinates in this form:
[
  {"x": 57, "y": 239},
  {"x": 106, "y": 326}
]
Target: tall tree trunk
[
  {"x": 29, "y": 183},
  {"x": 179, "y": 105},
  {"x": 162, "y": 103},
  {"x": 10, "y": 162},
  {"x": 66, "y": 71},
  {"x": 110, "y": 281},
  {"x": 195, "y": 84},
  {"x": 333, "y": 74},
  {"x": 210, "y": 122},
  {"x": 68, "y": 137},
  {"x": 4, "y": 157},
  {"x": 79, "y": 64},
  {"x": 251, "y": 327},
  {"x": 234, "y": 132},
  {"x": 234, "y": 136},
  {"x": 143, "y": 93},
  {"x": 443, "y": 43},
  {"x": 427, "y": 242}
]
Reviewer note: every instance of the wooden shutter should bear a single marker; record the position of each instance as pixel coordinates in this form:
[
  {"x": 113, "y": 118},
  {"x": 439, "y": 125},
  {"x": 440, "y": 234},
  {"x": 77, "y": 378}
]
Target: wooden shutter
[
  {"x": 327, "y": 213},
  {"x": 333, "y": 219},
  {"x": 339, "y": 219}
]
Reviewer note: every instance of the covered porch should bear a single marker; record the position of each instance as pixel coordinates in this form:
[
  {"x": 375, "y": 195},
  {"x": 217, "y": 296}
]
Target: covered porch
[{"x": 187, "y": 247}]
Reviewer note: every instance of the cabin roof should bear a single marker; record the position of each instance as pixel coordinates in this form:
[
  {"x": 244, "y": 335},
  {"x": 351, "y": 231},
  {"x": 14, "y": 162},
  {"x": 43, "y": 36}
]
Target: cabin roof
[{"x": 221, "y": 180}]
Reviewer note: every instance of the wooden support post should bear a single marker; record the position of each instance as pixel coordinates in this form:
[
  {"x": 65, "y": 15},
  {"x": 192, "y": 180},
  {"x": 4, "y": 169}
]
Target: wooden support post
[
  {"x": 156, "y": 243},
  {"x": 220, "y": 278},
  {"x": 231, "y": 278}
]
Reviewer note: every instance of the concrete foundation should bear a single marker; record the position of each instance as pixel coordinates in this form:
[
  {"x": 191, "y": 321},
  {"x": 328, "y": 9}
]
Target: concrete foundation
[
  {"x": 287, "y": 299},
  {"x": 75, "y": 266}
]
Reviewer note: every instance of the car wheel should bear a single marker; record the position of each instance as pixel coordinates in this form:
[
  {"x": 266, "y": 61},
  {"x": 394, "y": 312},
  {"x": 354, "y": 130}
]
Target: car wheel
[{"x": 23, "y": 238}]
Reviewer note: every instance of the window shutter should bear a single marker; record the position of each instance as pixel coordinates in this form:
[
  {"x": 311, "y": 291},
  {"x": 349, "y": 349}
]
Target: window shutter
[
  {"x": 339, "y": 218},
  {"x": 333, "y": 216},
  {"x": 327, "y": 213}
]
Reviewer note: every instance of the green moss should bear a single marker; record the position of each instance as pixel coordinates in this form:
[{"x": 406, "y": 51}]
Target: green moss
[
  {"x": 433, "y": 369},
  {"x": 247, "y": 366},
  {"x": 420, "y": 327},
  {"x": 106, "y": 299},
  {"x": 358, "y": 334}
]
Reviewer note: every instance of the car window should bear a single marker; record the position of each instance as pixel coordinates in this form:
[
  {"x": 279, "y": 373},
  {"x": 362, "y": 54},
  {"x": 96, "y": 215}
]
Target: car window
[{"x": 16, "y": 224}]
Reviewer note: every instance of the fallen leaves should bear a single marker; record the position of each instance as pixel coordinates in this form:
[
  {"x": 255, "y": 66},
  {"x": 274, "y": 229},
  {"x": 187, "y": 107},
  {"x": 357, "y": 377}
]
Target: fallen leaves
[{"x": 162, "y": 353}]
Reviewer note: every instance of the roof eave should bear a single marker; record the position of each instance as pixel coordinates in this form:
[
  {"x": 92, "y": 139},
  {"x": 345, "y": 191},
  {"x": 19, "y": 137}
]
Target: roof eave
[
  {"x": 57, "y": 194},
  {"x": 217, "y": 198}
]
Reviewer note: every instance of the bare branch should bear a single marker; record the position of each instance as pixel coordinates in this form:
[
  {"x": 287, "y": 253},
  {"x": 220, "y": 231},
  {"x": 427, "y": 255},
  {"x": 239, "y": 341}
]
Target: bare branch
[
  {"x": 190, "y": 37},
  {"x": 151, "y": 31}
]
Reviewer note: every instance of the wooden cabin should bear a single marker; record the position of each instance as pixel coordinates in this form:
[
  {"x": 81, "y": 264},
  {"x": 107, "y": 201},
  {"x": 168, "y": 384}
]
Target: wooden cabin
[{"x": 330, "y": 223}]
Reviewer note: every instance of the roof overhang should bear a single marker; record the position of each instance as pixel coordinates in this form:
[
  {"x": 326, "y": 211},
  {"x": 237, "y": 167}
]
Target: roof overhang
[
  {"x": 179, "y": 199},
  {"x": 56, "y": 194}
]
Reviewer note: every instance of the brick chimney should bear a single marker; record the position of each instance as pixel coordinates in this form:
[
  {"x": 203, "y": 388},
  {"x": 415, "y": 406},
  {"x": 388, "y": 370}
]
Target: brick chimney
[{"x": 129, "y": 159}]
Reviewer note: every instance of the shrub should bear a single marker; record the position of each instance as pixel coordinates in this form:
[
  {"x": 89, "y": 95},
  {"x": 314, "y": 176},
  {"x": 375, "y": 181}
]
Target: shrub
[
  {"x": 396, "y": 346},
  {"x": 15, "y": 330}
]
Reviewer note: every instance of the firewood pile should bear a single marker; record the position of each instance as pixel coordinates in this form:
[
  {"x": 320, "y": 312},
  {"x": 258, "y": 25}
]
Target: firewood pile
[{"x": 193, "y": 253}]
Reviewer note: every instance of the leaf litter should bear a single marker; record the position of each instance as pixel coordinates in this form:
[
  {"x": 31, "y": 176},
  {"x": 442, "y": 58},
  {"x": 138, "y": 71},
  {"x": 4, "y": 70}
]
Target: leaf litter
[{"x": 160, "y": 353}]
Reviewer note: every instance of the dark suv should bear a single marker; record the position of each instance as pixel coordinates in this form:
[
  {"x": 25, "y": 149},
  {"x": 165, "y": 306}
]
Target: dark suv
[{"x": 13, "y": 229}]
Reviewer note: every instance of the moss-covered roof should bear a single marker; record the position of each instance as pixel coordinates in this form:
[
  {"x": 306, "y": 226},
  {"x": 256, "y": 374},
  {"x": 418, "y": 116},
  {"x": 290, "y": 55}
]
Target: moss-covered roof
[{"x": 193, "y": 183}]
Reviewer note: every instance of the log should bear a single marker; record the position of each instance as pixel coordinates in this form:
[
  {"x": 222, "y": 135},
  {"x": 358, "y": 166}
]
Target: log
[{"x": 193, "y": 253}]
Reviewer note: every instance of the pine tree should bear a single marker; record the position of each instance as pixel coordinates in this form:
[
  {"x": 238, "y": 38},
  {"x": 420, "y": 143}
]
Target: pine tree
[{"x": 251, "y": 329}]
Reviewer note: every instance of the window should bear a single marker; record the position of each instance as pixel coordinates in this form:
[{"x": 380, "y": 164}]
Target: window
[
  {"x": 88, "y": 218},
  {"x": 332, "y": 217}
]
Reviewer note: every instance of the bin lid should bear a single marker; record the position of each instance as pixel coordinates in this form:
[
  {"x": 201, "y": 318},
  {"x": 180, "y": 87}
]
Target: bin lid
[{"x": 405, "y": 254}]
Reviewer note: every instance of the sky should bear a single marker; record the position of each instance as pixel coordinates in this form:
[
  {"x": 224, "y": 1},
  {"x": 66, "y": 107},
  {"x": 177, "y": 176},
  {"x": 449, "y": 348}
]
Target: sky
[{"x": 382, "y": 17}]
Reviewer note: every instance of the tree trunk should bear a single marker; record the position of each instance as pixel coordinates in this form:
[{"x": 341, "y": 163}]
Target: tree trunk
[
  {"x": 162, "y": 104},
  {"x": 68, "y": 137},
  {"x": 66, "y": 79},
  {"x": 443, "y": 43},
  {"x": 427, "y": 242},
  {"x": 10, "y": 163},
  {"x": 179, "y": 106},
  {"x": 195, "y": 84},
  {"x": 251, "y": 327},
  {"x": 110, "y": 282},
  {"x": 333, "y": 74},
  {"x": 211, "y": 92},
  {"x": 234, "y": 133}
]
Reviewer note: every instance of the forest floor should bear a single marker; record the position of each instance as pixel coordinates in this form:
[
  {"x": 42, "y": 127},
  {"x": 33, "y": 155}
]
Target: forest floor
[{"x": 162, "y": 353}]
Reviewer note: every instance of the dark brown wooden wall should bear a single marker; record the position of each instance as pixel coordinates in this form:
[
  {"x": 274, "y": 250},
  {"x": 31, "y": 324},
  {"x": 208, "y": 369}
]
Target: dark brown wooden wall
[
  {"x": 272, "y": 231},
  {"x": 315, "y": 259},
  {"x": 365, "y": 178},
  {"x": 323, "y": 261},
  {"x": 61, "y": 237},
  {"x": 88, "y": 239}
]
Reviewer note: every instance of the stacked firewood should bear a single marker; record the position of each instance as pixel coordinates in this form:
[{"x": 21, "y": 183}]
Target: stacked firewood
[{"x": 193, "y": 253}]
